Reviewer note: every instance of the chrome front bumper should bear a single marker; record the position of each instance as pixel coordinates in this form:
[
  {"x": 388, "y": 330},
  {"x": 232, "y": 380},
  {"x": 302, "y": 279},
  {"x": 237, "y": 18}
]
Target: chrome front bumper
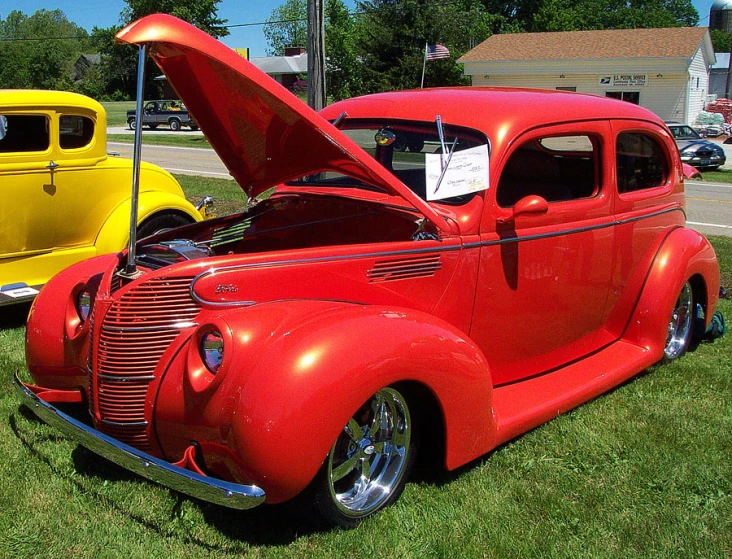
[{"x": 212, "y": 490}]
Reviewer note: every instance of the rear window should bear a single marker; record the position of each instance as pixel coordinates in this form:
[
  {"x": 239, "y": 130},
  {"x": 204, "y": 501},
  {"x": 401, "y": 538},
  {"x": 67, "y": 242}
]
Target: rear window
[
  {"x": 24, "y": 133},
  {"x": 75, "y": 131},
  {"x": 641, "y": 162}
]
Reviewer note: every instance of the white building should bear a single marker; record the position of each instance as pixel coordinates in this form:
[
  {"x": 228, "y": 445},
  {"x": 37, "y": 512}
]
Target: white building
[{"x": 664, "y": 70}]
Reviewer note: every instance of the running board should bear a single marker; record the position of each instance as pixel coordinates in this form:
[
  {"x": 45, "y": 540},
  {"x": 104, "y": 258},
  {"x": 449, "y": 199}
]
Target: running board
[{"x": 522, "y": 406}]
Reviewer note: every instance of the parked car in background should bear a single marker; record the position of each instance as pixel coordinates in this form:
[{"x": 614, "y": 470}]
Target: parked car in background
[
  {"x": 695, "y": 150},
  {"x": 531, "y": 256},
  {"x": 64, "y": 198},
  {"x": 173, "y": 114}
]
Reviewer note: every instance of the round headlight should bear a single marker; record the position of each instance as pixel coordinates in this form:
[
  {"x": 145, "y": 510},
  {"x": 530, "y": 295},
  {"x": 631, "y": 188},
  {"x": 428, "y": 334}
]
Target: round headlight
[
  {"x": 212, "y": 350},
  {"x": 83, "y": 305}
]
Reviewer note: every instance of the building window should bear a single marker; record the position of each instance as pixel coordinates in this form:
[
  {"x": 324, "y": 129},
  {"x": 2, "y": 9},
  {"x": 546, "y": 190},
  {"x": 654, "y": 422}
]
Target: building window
[
  {"x": 629, "y": 96},
  {"x": 569, "y": 88}
]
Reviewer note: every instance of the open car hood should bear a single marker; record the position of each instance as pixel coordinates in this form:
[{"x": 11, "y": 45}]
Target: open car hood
[{"x": 263, "y": 133}]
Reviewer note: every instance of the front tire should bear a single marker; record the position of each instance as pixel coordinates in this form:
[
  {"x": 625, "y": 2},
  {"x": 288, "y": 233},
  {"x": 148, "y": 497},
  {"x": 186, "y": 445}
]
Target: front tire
[
  {"x": 369, "y": 463},
  {"x": 681, "y": 325},
  {"x": 160, "y": 223},
  {"x": 175, "y": 125}
]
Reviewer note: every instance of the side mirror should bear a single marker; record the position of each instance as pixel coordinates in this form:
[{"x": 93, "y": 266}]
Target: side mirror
[{"x": 530, "y": 205}]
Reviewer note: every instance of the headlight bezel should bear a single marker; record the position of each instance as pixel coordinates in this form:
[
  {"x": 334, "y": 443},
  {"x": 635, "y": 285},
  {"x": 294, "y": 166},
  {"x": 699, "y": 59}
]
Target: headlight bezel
[{"x": 211, "y": 348}]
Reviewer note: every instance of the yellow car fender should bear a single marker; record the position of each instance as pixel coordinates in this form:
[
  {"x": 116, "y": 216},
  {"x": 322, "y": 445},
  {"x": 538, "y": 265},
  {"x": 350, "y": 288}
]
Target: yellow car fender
[{"x": 115, "y": 233}]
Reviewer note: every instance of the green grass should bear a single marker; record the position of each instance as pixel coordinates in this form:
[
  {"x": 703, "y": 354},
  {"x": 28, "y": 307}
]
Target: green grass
[
  {"x": 117, "y": 112},
  {"x": 720, "y": 175},
  {"x": 643, "y": 471},
  {"x": 227, "y": 194},
  {"x": 178, "y": 139}
]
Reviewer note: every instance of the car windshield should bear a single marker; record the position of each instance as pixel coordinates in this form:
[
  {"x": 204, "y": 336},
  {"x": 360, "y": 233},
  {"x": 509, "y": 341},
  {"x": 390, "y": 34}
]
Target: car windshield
[
  {"x": 684, "y": 133},
  {"x": 401, "y": 147}
]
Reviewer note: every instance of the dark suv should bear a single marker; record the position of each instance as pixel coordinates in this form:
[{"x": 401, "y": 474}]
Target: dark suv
[{"x": 167, "y": 113}]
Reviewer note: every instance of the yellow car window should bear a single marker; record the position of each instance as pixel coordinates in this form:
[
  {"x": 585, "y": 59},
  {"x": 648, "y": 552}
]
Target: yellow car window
[
  {"x": 75, "y": 131},
  {"x": 24, "y": 133}
]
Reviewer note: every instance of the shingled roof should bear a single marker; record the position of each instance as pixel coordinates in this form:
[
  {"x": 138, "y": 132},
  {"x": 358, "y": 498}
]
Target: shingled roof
[{"x": 674, "y": 42}]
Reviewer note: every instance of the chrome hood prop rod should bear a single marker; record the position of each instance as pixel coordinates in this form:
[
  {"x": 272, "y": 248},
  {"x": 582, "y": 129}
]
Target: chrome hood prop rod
[{"x": 130, "y": 270}]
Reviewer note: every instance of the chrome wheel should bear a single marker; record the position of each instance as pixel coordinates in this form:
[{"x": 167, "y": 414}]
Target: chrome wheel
[
  {"x": 680, "y": 325},
  {"x": 368, "y": 465}
]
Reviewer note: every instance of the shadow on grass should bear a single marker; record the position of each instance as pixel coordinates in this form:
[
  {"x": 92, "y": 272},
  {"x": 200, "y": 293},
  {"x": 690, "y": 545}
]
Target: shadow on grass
[
  {"x": 14, "y": 316},
  {"x": 267, "y": 525}
]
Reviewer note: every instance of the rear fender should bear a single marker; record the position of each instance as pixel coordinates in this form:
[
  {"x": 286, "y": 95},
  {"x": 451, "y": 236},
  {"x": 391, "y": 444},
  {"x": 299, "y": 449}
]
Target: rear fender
[
  {"x": 685, "y": 255},
  {"x": 115, "y": 233},
  {"x": 298, "y": 371}
]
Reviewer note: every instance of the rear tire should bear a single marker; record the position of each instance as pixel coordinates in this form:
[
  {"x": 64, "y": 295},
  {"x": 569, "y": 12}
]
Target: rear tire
[
  {"x": 131, "y": 123},
  {"x": 369, "y": 463},
  {"x": 174, "y": 124},
  {"x": 681, "y": 325},
  {"x": 160, "y": 223}
]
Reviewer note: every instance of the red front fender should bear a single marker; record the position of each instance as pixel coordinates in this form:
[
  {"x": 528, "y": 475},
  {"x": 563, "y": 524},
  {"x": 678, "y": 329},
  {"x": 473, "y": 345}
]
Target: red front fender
[{"x": 299, "y": 370}]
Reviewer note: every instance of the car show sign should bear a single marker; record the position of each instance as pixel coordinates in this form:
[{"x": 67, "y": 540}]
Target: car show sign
[
  {"x": 624, "y": 80},
  {"x": 467, "y": 171}
]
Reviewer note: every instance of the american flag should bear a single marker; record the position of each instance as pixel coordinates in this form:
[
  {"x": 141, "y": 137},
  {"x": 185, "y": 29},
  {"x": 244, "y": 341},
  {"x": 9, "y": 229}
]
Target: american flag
[{"x": 436, "y": 52}]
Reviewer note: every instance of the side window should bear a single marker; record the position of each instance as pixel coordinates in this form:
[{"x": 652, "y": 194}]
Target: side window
[
  {"x": 24, "y": 133},
  {"x": 557, "y": 168},
  {"x": 641, "y": 162},
  {"x": 75, "y": 131}
]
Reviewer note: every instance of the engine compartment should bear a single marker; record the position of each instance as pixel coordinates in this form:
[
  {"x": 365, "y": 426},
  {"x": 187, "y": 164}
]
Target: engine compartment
[{"x": 287, "y": 222}]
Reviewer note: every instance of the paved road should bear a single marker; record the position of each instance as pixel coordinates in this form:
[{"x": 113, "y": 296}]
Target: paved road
[
  {"x": 186, "y": 161},
  {"x": 709, "y": 205}
]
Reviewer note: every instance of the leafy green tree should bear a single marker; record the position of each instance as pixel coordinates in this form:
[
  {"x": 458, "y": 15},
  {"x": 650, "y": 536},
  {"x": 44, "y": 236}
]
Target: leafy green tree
[
  {"x": 201, "y": 13},
  {"x": 392, "y": 36},
  {"x": 721, "y": 40},
  {"x": 573, "y": 15},
  {"x": 343, "y": 68},
  {"x": 287, "y": 27},
  {"x": 39, "y": 51},
  {"x": 119, "y": 62}
]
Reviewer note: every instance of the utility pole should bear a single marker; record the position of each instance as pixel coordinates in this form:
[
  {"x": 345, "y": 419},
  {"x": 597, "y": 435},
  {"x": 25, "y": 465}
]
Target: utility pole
[{"x": 316, "y": 55}]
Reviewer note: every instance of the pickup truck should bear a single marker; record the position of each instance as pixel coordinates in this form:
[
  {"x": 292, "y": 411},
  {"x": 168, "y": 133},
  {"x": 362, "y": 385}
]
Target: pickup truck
[{"x": 167, "y": 113}]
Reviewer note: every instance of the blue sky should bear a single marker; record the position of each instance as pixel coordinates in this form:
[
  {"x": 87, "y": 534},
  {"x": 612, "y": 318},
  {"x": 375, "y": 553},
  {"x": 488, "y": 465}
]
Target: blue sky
[{"x": 105, "y": 13}]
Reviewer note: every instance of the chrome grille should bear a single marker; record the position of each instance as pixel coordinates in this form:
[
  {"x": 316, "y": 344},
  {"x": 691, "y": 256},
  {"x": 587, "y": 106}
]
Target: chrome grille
[
  {"x": 136, "y": 330},
  {"x": 406, "y": 268}
]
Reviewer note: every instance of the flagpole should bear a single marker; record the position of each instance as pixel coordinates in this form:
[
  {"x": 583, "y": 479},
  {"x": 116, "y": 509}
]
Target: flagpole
[{"x": 424, "y": 64}]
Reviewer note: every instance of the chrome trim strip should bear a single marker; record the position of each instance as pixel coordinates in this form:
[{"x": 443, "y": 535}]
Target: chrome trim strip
[
  {"x": 304, "y": 261},
  {"x": 122, "y": 378},
  {"x": 125, "y": 423},
  {"x": 212, "y": 490},
  {"x": 163, "y": 327},
  {"x": 478, "y": 244},
  {"x": 614, "y": 223}
]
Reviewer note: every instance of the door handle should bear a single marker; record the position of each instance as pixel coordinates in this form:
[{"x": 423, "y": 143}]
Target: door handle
[{"x": 53, "y": 166}]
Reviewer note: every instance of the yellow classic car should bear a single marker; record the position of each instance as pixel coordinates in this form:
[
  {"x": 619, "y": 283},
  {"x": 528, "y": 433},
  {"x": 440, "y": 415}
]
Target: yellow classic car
[{"x": 63, "y": 198}]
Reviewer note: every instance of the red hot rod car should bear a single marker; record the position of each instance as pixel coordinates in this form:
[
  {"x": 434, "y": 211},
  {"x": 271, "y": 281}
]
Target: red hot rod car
[{"x": 513, "y": 266}]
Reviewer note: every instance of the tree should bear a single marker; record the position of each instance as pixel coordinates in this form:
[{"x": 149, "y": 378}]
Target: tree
[
  {"x": 287, "y": 27},
  {"x": 39, "y": 51},
  {"x": 201, "y": 13},
  {"x": 119, "y": 62},
  {"x": 342, "y": 62},
  {"x": 573, "y": 15},
  {"x": 393, "y": 33}
]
